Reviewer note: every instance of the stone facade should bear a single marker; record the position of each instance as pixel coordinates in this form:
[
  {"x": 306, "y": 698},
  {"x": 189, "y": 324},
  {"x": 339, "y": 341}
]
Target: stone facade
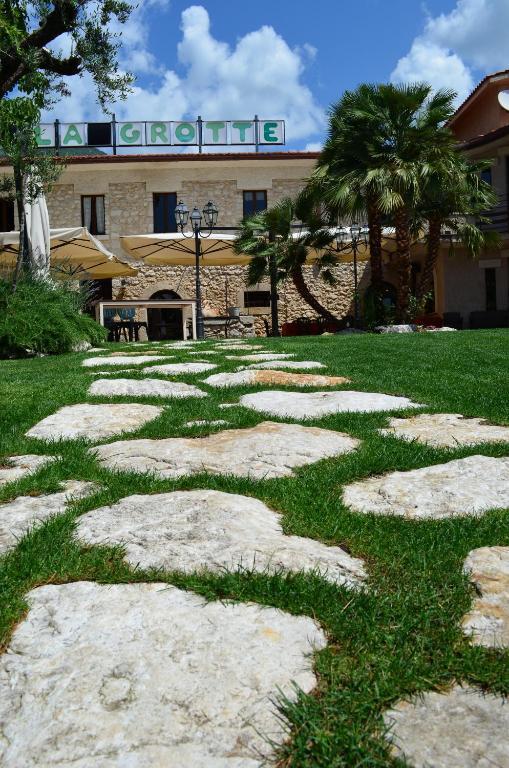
[{"x": 128, "y": 186}]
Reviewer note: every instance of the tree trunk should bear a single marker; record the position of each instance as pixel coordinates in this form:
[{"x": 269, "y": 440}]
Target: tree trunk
[
  {"x": 274, "y": 313},
  {"x": 402, "y": 225},
  {"x": 304, "y": 292},
  {"x": 376, "y": 263},
  {"x": 433, "y": 250},
  {"x": 23, "y": 254}
]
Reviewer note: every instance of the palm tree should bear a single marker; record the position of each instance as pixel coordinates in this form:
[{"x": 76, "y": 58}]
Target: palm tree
[
  {"x": 455, "y": 198},
  {"x": 278, "y": 251},
  {"x": 383, "y": 141}
]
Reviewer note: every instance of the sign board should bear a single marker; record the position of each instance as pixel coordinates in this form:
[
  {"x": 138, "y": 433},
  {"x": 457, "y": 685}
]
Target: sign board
[{"x": 163, "y": 133}]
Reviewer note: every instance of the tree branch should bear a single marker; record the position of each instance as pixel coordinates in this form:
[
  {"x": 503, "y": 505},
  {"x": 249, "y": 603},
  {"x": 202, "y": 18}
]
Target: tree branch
[{"x": 69, "y": 66}]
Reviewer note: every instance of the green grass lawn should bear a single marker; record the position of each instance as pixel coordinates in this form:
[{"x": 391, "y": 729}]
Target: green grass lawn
[{"x": 402, "y": 633}]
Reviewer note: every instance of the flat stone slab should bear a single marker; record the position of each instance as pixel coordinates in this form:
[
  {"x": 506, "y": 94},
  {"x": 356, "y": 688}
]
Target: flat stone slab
[
  {"x": 314, "y": 405},
  {"x": 143, "y": 388},
  {"x": 191, "y": 530},
  {"x": 114, "y": 372},
  {"x": 206, "y": 352},
  {"x": 464, "y": 487},
  {"x": 179, "y": 369},
  {"x": 488, "y": 621},
  {"x": 91, "y": 362},
  {"x": 261, "y": 356},
  {"x": 446, "y": 430},
  {"x": 21, "y": 514},
  {"x": 460, "y": 729},
  {"x": 298, "y": 365},
  {"x": 94, "y": 422},
  {"x": 235, "y": 347},
  {"x": 254, "y": 376},
  {"x": 206, "y": 423},
  {"x": 266, "y": 451},
  {"x": 20, "y": 466},
  {"x": 146, "y": 675}
]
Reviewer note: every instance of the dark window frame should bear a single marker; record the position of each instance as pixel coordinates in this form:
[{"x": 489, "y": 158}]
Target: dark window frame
[
  {"x": 251, "y": 303},
  {"x": 255, "y": 207},
  {"x": 167, "y": 214},
  {"x": 7, "y": 218},
  {"x": 93, "y": 229}
]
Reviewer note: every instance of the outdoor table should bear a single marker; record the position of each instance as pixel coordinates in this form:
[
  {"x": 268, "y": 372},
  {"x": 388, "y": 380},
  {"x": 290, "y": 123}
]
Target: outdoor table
[{"x": 131, "y": 326}]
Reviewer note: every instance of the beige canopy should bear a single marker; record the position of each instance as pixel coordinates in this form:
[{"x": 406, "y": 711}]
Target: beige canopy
[
  {"x": 75, "y": 254},
  {"x": 175, "y": 248}
]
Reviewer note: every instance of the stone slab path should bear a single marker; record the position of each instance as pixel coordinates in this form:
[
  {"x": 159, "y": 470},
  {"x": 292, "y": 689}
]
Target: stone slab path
[
  {"x": 91, "y": 362},
  {"x": 145, "y": 675},
  {"x": 17, "y": 516},
  {"x": 207, "y": 423},
  {"x": 462, "y": 487},
  {"x": 298, "y": 365},
  {"x": 94, "y": 422},
  {"x": 260, "y": 356},
  {"x": 252, "y": 377},
  {"x": 191, "y": 530},
  {"x": 266, "y": 451},
  {"x": 20, "y": 466},
  {"x": 446, "y": 430},
  {"x": 488, "y": 621},
  {"x": 314, "y": 405},
  {"x": 464, "y": 728},
  {"x": 143, "y": 388},
  {"x": 179, "y": 369}
]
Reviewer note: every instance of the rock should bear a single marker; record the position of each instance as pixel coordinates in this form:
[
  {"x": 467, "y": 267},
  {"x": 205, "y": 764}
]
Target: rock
[
  {"x": 114, "y": 373},
  {"x": 20, "y": 466},
  {"x": 223, "y": 406},
  {"x": 81, "y": 346},
  {"x": 265, "y": 451},
  {"x": 290, "y": 364},
  {"x": 146, "y": 675},
  {"x": 254, "y": 376},
  {"x": 488, "y": 621},
  {"x": 143, "y": 388},
  {"x": 18, "y": 516},
  {"x": 462, "y": 487},
  {"x": 440, "y": 330},
  {"x": 314, "y": 405},
  {"x": 464, "y": 728},
  {"x": 93, "y": 422},
  {"x": 191, "y": 530},
  {"x": 91, "y": 362},
  {"x": 260, "y": 356},
  {"x": 178, "y": 369},
  {"x": 446, "y": 430},
  {"x": 206, "y": 423},
  {"x": 396, "y": 328},
  {"x": 97, "y": 349}
]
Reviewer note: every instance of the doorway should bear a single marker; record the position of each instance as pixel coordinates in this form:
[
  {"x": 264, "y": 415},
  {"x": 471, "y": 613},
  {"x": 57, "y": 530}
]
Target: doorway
[{"x": 166, "y": 322}]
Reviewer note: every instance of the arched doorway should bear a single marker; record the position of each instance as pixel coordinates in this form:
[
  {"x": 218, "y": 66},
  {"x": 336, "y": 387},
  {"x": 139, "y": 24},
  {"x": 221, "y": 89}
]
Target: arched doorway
[{"x": 166, "y": 322}]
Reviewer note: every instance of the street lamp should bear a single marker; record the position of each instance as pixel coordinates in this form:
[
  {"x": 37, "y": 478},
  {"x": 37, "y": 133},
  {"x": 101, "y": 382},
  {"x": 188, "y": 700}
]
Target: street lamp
[
  {"x": 348, "y": 240},
  {"x": 209, "y": 214}
]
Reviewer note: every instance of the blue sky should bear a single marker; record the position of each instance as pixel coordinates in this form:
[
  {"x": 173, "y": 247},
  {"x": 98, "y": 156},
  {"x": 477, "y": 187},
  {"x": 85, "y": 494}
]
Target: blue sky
[{"x": 290, "y": 59}]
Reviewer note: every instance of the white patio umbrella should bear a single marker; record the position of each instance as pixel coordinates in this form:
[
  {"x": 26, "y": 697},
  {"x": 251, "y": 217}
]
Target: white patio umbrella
[
  {"x": 175, "y": 248},
  {"x": 74, "y": 254},
  {"x": 38, "y": 233}
]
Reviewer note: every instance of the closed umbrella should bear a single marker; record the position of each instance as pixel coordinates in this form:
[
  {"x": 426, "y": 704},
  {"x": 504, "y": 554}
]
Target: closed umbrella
[
  {"x": 74, "y": 254},
  {"x": 38, "y": 233}
]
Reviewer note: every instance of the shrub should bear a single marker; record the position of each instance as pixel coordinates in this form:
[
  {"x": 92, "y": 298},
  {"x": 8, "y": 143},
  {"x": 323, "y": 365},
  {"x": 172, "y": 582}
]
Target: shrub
[{"x": 43, "y": 317}]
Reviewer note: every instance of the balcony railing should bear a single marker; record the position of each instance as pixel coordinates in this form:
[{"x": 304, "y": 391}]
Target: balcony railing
[{"x": 498, "y": 216}]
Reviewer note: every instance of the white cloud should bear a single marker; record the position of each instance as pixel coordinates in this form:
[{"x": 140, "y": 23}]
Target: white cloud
[
  {"x": 473, "y": 36},
  {"x": 260, "y": 75},
  {"x": 313, "y": 146}
]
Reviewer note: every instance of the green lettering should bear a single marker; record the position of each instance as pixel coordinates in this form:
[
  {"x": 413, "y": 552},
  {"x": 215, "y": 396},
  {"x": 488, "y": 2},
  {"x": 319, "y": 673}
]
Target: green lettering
[
  {"x": 242, "y": 128},
  {"x": 39, "y": 139},
  {"x": 158, "y": 134},
  {"x": 268, "y": 132},
  {"x": 215, "y": 128},
  {"x": 185, "y": 133},
  {"x": 72, "y": 135},
  {"x": 129, "y": 134}
]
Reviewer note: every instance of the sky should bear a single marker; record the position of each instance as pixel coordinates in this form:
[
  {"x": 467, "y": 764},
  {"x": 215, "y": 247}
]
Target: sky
[{"x": 290, "y": 59}]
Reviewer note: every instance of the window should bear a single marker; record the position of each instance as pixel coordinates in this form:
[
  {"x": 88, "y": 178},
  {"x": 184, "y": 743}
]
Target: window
[
  {"x": 92, "y": 213},
  {"x": 256, "y": 299},
  {"x": 490, "y": 283},
  {"x": 6, "y": 215},
  {"x": 486, "y": 176},
  {"x": 254, "y": 201},
  {"x": 164, "y": 211}
]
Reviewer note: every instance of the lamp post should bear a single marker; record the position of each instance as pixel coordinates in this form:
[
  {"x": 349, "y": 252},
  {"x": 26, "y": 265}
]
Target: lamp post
[
  {"x": 209, "y": 215},
  {"x": 348, "y": 240}
]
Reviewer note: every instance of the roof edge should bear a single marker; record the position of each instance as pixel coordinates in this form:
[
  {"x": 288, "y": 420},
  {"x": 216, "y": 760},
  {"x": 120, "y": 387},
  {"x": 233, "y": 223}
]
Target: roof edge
[{"x": 480, "y": 86}]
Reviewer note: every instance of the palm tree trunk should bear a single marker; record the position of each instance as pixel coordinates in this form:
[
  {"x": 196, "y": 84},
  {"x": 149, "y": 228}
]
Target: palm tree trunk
[
  {"x": 300, "y": 284},
  {"x": 375, "y": 257},
  {"x": 433, "y": 250},
  {"x": 402, "y": 225},
  {"x": 274, "y": 312}
]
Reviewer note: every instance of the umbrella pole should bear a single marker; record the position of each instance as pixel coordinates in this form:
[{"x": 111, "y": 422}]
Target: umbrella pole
[{"x": 200, "y": 329}]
